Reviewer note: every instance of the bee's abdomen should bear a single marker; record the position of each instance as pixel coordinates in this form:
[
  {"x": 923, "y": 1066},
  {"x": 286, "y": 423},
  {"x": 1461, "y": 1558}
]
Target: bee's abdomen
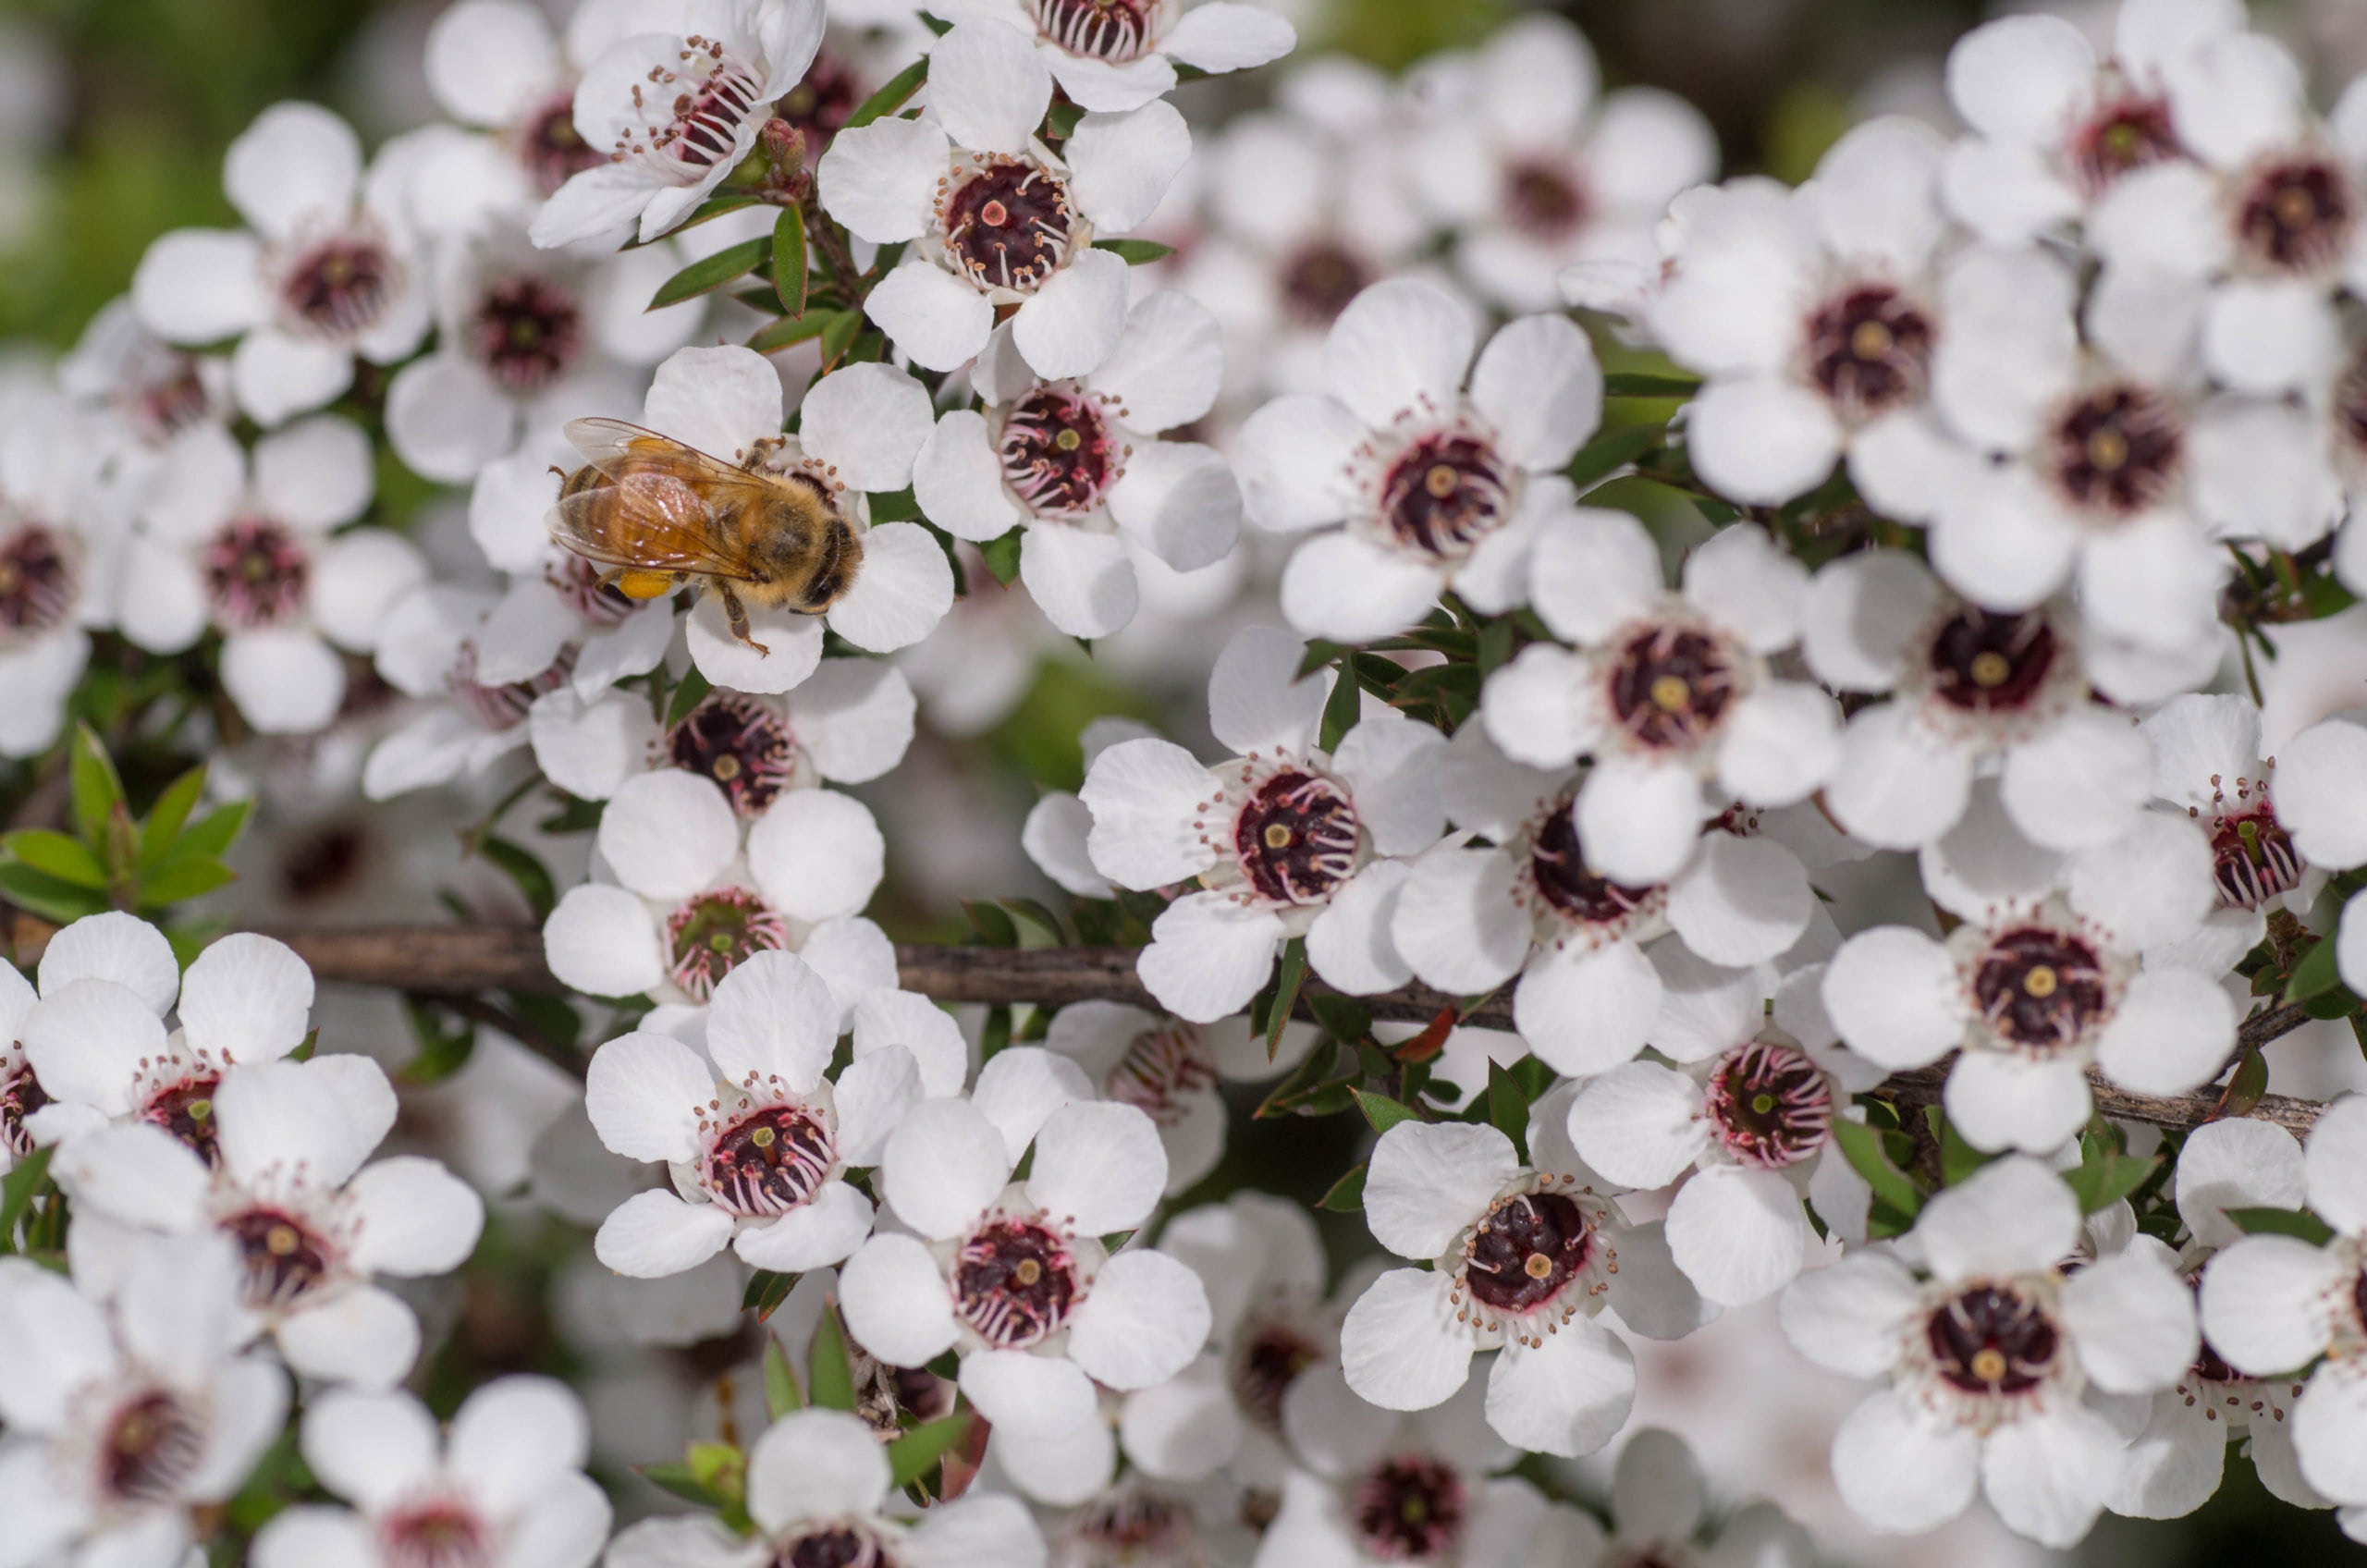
[{"x": 841, "y": 553}]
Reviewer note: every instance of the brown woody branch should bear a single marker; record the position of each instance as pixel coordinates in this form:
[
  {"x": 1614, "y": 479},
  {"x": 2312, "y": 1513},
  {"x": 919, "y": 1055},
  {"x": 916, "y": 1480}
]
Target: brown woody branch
[{"x": 459, "y": 961}]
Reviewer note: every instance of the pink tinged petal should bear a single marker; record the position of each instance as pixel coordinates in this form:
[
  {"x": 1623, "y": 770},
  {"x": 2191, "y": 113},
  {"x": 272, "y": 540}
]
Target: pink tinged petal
[
  {"x": 2083, "y": 782},
  {"x": 1022, "y": 1086},
  {"x": 2268, "y": 336},
  {"x": 296, "y": 163},
  {"x": 1854, "y": 1316},
  {"x": 286, "y": 682},
  {"x": 988, "y": 86},
  {"x": 2319, "y": 792},
  {"x": 1167, "y": 364},
  {"x": 1427, "y": 1182},
  {"x": 447, "y": 420},
  {"x": 1099, "y": 1165},
  {"x": 1120, "y": 168},
  {"x": 1292, "y": 455},
  {"x": 199, "y": 285},
  {"x": 1741, "y": 902},
  {"x": 1084, "y": 583},
  {"x": 1761, "y": 439},
  {"x": 793, "y": 645},
  {"x": 1457, "y": 922},
  {"x": 1073, "y": 322},
  {"x": 1144, "y": 796},
  {"x": 1891, "y": 992},
  {"x": 2047, "y": 1475},
  {"x": 866, "y": 421},
  {"x": 823, "y": 1232},
  {"x": 1145, "y": 1318},
  {"x": 1586, "y": 1011},
  {"x": 1742, "y": 581},
  {"x": 2004, "y": 541},
  {"x": 895, "y": 1301},
  {"x": 2237, "y": 1163},
  {"x": 1591, "y": 570},
  {"x": 415, "y": 1217},
  {"x": 371, "y": 1449},
  {"x": 2016, "y": 79},
  {"x": 2337, "y": 1165},
  {"x": 2268, "y": 1303},
  {"x": 644, "y": 1092},
  {"x": 902, "y": 590},
  {"x": 1901, "y": 1469},
  {"x": 893, "y": 1019},
  {"x": 365, "y": 1337},
  {"x": 1348, "y": 589},
  {"x": 943, "y": 1166},
  {"x": 1403, "y": 344},
  {"x": 1401, "y": 1346},
  {"x": 1098, "y": 85},
  {"x": 1350, "y": 944},
  {"x": 669, "y": 834},
  {"x": 880, "y": 179},
  {"x": 815, "y": 854},
  {"x": 2329, "y": 1422},
  {"x": 935, "y": 318},
  {"x": 1639, "y": 819},
  {"x": 275, "y": 374},
  {"x": 1640, "y": 1125},
  {"x": 2133, "y": 1321},
  {"x": 871, "y": 1098},
  {"x": 957, "y": 480},
  {"x": 1029, "y": 1395},
  {"x": 2172, "y": 1032},
  {"x": 1897, "y": 785},
  {"x": 1567, "y": 1395},
  {"x": 652, "y": 1234},
  {"x": 86, "y": 1040},
  {"x": 1208, "y": 954},
  {"x": 1780, "y": 743},
  {"x": 815, "y": 1464},
  {"x": 1737, "y": 1233},
  {"x": 1223, "y": 36},
  {"x": 245, "y": 998},
  {"x": 516, "y": 1437},
  {"x": 600, "y": 937},
  {"x": 1536, "y": 382},
  {"x": 1179, "y": 501}
]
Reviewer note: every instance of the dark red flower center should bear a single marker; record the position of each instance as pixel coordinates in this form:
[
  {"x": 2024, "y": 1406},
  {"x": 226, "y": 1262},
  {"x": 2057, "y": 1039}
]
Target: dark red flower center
[
  {"x": 1266, "y": 1361},
  {"x": 2117, "y": 450},
  {"x": 1057, "y": 454},
  {"x": 584, "y": 588},
  {"x": 1670, "y": 685},
  {"x": 1161, "y": 1067},
  {"x": 1014, "y": 1283},
  {"x": 1985, "y": 663},
  {"x": 285, "y": 1260},
  {"x": 1409, "y": 1510},
  {"x": 526, "y": 331},
  {"x": 1772, "y": 1105},
  {"x": 1318, "y": 279},
  {"x": 770, "y": 1161},
  {"x": 1296, "y": 838},
  {"x": 741, "y": 744},
  {"x": 505, "y": 706},
  {"x": 1525, "y": 1250},
  {"x": 710, "y": 935},
  {"x": 339, "y": 287},
  {"x": 2297, "y": 215},
  {"x": 2039, "y": 988},
  {"x": 323, "y": 861},
  {"x": 153, "y": 1446},
  {"x": 550, "y": 147},
  {"x": 707, "y": 98},
  {"x": 1445, "y": 493},
  {"x": 844, "y": 1544},
  {"x": 1008, "y": 225},
  {"x": 1870, "y": 348},
  {"x": 185, "y": 1110},
  {"x": 169, "y": 397},
  {"x": 1131, "y": 1528},
  {"x": 1116, "y": 31},
  {"x": 439, "y": 1534},
  {"x": 2127, "y": 133},
  {"x": 1990, "y": 1340},
  {"x": 256, "y": 574},
  {"x": 37, "y": 582},
  {"x": 1544, "y": 200},
  {"x": 20, "y": 1096},
  {"x": 2253, "y": 858},
  {"x": 1558, "y": 863}
]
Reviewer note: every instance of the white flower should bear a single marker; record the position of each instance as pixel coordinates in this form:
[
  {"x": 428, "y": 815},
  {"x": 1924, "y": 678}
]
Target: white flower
[
  {"x": 506, "y": 1486},
  {"x": 847, "y": 723},
  {"x": 1015, "y": 1276},
  {"x": 121, "y": 1423},
  {"x": 242, "y": 543},
  {"x": 1471, "y": 918},
  {"x": 1058, "y": 832},
  {"x": 1753, "y": 1127},
  {"x": 312, "y": 1225},
  {"x": 2053, "y": 127},
  {"x": 673, "y": 109},
  {"x": 2272, "y": 1305},
  {"x": 1989, "y": 1358},
  {"x": 1111, "y": 55},
  {"x": 1168, "y": 1070},
  {"x": 1077, "y": 463},
  {"x": 1381, "y": 1488},
  {"x": 1668, "y": 690},
  {"x": 1973, "y": 689},
  {"x": 859, "y": 430},
  {"x": 1513, "y": 150},
  {"x": 1439, "y": 487},
  {"x": 2042, "y": 978},
  {"x": 697, "y": 892},
  {"x": 1286, "y": 841},
  {"x": 57, "y": 565},
  {"x": 818, "y": 1488},
  {"x": 144, "y": 390},
  {"x": 497, "y": 66},
  {"x": 2316, "y": 792},
  {"x": 755, "y": 1138},
  {"x": 993, "y": 216},
  {"x": 325, "y": 269}
]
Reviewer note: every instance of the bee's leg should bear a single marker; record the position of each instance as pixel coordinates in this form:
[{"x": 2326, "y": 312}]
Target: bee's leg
[{"x": 736, "y": 615}]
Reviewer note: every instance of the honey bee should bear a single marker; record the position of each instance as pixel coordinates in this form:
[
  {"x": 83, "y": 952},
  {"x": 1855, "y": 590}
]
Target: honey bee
[{"x": 658, "y": 513}]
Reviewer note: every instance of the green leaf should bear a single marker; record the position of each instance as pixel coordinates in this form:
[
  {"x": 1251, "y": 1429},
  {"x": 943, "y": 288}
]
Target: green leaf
[
  {"x": 1002, "y": 555},
  {"x": 793, "y": 329},
  {"x": 721, "y": 1467},
  {"x": 1318, "y": 654},
  {"x": 97, "y": 790},
  {"x": 2251, "y": 1082},
  {"x": 181, "y": 878},
  {"x": 169, "y": 815},
  {"x": 916, "y": 1452},
  {"x": 1508, "y": 1106},
  {"x": 2341, "y": 1002},
  {"x": 1612, "y": 449},
  {"x": 213, "y": 833},
  {"x": 55, "y": 854},
  {"x": 59, "y": 902},
  {"x": 1341, "y": 707},
  {"x": 1135, "y": 253},
  {"x": 995, "y": 1034},
  {"x": 891, "y": 98},
  {"x": 1635, "y": 383},
  {"x": 519, "y": 865},
  {"x": 1495, "y": 645},
  {"x": 781, "y": 1393},
  {"x": 17, "y": 1191},
  {"x": 828, "y": 1372},
  {"x": 688, "y": 695},
  {"x": 1862, "y": 1147},
  {"x": 1059, "y": 123},
  {"x": 1035, "y": 915},
  {"x": 710, "y": 273},
  {"x": 838, "y": 335},
  {"x": 1347, "y": 1193},
  {"x": 684, "y": 1483},
  {"x": 765, "y": 1291},
  {"x": 1288, "y": 976},
  {"x": 788, "y": 260},
  {"x": 1383, "y": 1111},
  {"x": 2315, "y": 975},
  {"x": 894, "y": 506},
  {"x": 1344, "y": 1018},
  {"x": 1958, "y": 1159},
  {"x": 2104, "y": 1182},
  {"x": 992, "y": 924},
  {"x": 2282, "y": 1222}
]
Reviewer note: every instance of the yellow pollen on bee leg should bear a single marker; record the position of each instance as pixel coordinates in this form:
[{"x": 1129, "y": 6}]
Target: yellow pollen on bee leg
[
  {"x": 1991, "y": 669},
  {"x": 644, "y": 584},
  {"x": 1028, "y": 1271},
  {"x": 2040, "y": 981},
  {"x": 1537, "y": 1267},
  {"x": 1277, "y": 837},
  {"x": 1669, "y": 694},
  {"x": 1989, "y": 1363}
]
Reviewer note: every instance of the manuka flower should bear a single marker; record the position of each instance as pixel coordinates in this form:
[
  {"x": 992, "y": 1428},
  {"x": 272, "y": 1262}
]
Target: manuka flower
[{"x": 1111, "y": 55}]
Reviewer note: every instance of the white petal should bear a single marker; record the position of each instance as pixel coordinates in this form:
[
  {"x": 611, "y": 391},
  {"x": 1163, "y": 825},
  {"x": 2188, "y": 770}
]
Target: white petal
[
  {"x": 1257, "y": 701},
  {"x": 815, "y": 1464},
  {"x": 414, "y": 1218},
  {"x": 2265, "y": 1303},
  {"x": 1639, "y": 819},
  {"x": 245, "y": 998},
  {"x": 1891, "y": 992},
  {"x": 1293, "y": 457},
  {"x": 1741, "y": 902},
  {"x": 365, "y": 1337},
  {"x": 1144, "y": 796},
  {"x": 654, "y": 1233},
  {"x": 902, "y": 590},
  {"x": 2002, "y": 1101},
  {"x": 988, "y": 87},
  {"x": 1457, "y": 922},
  {"x": 1099, "y": 1165},
  {"x": 1075, "y": 320},
  {"x": 943, "y": 1166},
  {"x": 896, "y": 1303},
  {"x": 1429, "y": 1180},
  {"x": 2017, "y": 78},
  {"x": 371, "y": 1449},
  {"x": 2013, "y": 1216},
  {"x": 1022, "y": 1087},
  {"x": 669, "y": 834},
  {"x": 2133, "y": 1320},
  {"x": 880, "y": 179},
  {"x": 1743, "y": 582},
  {"x": 1537, "y": 382},
  {"x": 2173, "y": 1029},
  {"x": 602, "y": 935},
  {"x": 1096, "y": 84},
  {"x": 2151, "y": 886},
  {"x": 1167, "y": 364},
  {"x": 1209, "y": 955},
  {"x": 815, "y": 854},
  {"x": 1400, "y": 1345},
  {"x": 1179, "y": 501},
  {"x": 643, "y": 1092},
  {"x": 2327, "y": 1422},
  {"x": 2338, "y": 1165},
  {"x": 916, "y": 1025},
  {"x": 1397, "y": 346},
  {"x": 866, "y": 421},
  {"x": 1145, "y": 1318},
  {"x": 957, "y": 479},
  {"x": 937, "y": 320},
  {"x": 1350, "y": 945},
  {"x": 515, "y": 1437},
  {"x": 1568, "y": 1395},
  {"x": 793, "y": 645},
  {"x": 1084, "y": 583},
  {"x": 1031, "y": 1395},
  {"x": 1780, "y": 743},
  {"x": 2236, "y": 1163},
  {"x": 297, "y": 162},
  {"x": 2048, "y": 1474},
  {"x": 87, "y": 1039},
  {"x": 1897, "y": 785},
  {"x": 1226, "y": 37},
  {"x": 823, "y": 1231},
  {"x": 772, "y": 1020},
  {"x": 1349, "y": 589},
  {"x": 1591, "y": 570},
  {"x": 1761, "y": 440},
  {"x": 1900, "y": 1469},
  {"x": 2081, "y": 783},
  {"x": 116, "y": 947},
  {"x": 1120, "y": 166},
  {"x": 200, "y": 285},
  {"x": 1640, "y": 1125},
  {"x": 871, "y": 1097},
  {"x": 2317, "y": 789},
  {"x": 1586, "y": 1011},
  {"x": 1854, "y": 1316},
  {"x": 286, "y": 682},
  {"x": 275, "y": 374}
]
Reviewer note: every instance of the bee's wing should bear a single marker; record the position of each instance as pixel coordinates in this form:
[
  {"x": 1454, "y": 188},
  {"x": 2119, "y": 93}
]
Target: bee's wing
[{"x": 658, "y": 506}]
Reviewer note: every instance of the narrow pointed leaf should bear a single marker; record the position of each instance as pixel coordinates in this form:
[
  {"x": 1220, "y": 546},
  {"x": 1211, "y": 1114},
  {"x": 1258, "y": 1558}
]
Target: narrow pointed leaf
[{"x": 711, "y": 273}]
